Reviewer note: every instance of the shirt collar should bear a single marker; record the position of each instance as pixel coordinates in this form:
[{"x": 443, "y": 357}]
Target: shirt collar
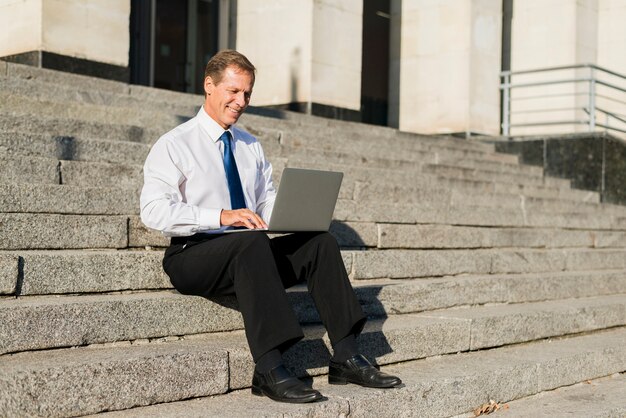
[{"x": 212, "y": 128}]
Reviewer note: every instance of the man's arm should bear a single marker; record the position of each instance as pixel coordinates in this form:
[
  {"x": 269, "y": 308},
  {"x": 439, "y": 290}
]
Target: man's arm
[
  {"x": 161, "y": 202},
  {"x": 265, "y": 190}
]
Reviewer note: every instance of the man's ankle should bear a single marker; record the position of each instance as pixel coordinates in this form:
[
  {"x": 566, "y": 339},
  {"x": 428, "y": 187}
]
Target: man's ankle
[
  {"x": 345, "y": 348},
  {"x": 269, "y": 361}
]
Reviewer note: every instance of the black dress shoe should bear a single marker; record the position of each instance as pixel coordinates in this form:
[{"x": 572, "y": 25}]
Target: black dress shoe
[
  {"x": 282, "y": 386},
  {"x": 359, "y": 370}
]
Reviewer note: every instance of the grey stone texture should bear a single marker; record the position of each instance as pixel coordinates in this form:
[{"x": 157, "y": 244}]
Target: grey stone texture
[
  {"x": 8, "y": 273},
  {"x": 18, "y": 169},
  {"x": 444, "y": 236},
  {"x": 595, "y": 398},
  {"x": 141, "y": 236},
  {"x": 71, "y": 321},
  {"x": 442, "y": 386},
  {"x": 28, "y": 73},
  {"x": 73, "y": 148},
  {"x": 49, "y": 272},
  {"x": 428, "y": 263},
  {"x": 81, "y": 320},
  {"x": 95, "y": 174},
  {"x": 51, "y": 231},
  {"x": 64, "y": 199},
  {"x": 71, "y": 382},
  {"x": 59, "y": 126},
  {"x": 452, "y": 248},
  {"x": 500, "y": 325}
]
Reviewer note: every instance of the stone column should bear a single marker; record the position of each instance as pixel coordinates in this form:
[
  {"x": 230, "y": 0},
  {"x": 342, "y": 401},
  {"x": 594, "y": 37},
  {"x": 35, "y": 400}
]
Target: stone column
[
  {"x": 449, "y": 64},
  {"x": 68, "y": 34},
  {"x": 552, "y": 34},
  {"x": 307, "y": 52}
]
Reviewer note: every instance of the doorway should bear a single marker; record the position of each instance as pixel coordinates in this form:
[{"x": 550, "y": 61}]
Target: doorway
[
  {"x": 375, "y": 62},
  {"x": 171, "y": 41}
]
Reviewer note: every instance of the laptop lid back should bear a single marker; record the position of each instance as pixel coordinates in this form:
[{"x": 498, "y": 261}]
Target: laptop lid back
[{"x": 306, "y": 200}]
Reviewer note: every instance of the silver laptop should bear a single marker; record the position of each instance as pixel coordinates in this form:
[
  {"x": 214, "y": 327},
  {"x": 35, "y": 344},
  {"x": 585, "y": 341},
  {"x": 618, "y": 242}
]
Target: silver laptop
[{"x": 305, "y": 201}]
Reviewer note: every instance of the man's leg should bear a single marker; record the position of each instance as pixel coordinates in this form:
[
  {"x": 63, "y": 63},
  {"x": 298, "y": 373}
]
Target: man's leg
[
  {"x": 243, "y": 264},
  {"x": 316, "y": 258},
  {"x": 239, "y": 264}
]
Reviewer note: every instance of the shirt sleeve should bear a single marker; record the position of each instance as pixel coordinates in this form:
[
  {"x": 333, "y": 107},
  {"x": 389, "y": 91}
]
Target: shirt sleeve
[
  {"x": 266, "y": 193},
  {"x": 162, "y": 206}
]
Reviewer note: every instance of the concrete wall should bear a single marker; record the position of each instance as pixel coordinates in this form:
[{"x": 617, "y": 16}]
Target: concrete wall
[
  {"x": 21, "y": 26},
  {"x": 611, "y": 44},
  {"x": 449, "y": 65},
  {"x": 276, "y": 35},
  {"x": 305, "y": 50},
  {"x": 336, "y": 59},
  {"x": 562, "y": 33},
  {"x": 95, "y": 30}
]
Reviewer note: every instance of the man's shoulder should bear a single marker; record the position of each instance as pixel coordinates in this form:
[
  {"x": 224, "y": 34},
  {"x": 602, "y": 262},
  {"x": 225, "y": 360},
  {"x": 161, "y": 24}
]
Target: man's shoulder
[
  {"x": 181, "y": 131},
  {"x": 243, "y": 135}
]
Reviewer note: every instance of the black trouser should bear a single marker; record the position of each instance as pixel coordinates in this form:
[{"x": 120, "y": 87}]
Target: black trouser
[{"x": 257, "y": 270}]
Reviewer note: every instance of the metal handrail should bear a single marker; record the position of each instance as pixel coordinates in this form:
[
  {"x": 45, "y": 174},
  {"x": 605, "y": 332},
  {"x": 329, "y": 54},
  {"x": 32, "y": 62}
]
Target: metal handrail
[{"x": 591, "y": 109}]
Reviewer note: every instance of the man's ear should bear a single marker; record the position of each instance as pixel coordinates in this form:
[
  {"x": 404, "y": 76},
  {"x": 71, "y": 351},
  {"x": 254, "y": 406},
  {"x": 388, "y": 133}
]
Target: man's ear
[{"x": 208, "y": 85}]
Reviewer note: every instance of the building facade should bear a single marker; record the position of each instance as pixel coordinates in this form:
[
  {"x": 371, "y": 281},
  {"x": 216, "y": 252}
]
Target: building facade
[{"x": 426, "y": 66}]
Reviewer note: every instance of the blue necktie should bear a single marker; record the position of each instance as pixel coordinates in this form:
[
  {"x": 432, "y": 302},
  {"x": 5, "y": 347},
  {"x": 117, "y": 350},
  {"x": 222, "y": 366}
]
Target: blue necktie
[{"x": 237, "y": 201}]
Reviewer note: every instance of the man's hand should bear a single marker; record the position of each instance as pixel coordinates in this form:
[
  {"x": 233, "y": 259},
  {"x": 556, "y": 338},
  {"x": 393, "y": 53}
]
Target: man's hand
[{"x": 242, "y": 217}]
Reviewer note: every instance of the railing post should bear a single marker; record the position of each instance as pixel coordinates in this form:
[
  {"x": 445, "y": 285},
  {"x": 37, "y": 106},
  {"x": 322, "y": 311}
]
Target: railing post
[
  {"x": 506, "y": 104},
  {"x": 592, "y": 99}
]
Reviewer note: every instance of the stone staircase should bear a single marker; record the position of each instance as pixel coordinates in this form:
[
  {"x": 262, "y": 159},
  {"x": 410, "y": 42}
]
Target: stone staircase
[{"x": 484, "y": 280}]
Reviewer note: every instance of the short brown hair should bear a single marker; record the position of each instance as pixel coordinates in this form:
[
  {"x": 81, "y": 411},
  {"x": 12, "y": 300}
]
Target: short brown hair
[{"x": 224, "y": 59}]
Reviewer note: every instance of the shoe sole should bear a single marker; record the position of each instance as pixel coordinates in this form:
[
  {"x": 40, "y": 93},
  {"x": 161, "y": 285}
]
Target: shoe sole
[
  {"x": 334, "y": 380},
  {"x": 259, "y": 392}
]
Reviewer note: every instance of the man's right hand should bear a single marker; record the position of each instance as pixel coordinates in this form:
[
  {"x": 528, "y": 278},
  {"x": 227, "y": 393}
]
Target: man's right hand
[{"x": 242, "y": 217}]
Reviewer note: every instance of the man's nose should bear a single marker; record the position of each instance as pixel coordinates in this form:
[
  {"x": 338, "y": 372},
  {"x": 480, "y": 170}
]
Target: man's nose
[{"x": 240, "y": 99}]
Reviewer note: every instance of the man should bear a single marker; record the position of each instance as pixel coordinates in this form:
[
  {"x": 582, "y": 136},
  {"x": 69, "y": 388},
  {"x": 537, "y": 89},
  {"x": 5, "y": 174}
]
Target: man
[{"x": 206, "y": 176}]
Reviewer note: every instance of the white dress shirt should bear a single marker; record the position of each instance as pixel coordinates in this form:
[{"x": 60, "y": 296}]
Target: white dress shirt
[{"x": 185, "y": 186}]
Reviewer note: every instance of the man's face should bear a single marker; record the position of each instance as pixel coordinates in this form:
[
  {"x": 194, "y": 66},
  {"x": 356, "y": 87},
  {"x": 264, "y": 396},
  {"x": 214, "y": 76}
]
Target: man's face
[{"x": 226, "y": 101}]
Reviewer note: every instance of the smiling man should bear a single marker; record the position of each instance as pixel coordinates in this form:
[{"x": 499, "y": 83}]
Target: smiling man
[{"x": 206, "y": 176}]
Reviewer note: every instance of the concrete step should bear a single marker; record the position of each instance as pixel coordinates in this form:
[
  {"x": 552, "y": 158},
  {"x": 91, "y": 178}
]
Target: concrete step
[
  {"x": 68, "y": 321},
  {"x": 84, "y": 84},
  {"x": 445, "y": 236},
  {"x": 71, "y": 148},
  {"x": 124, "y": 152},
  {"x": 365, "y": 227},
  {"x": 52, "y": 231},
  {"x": 80, "y": 94},
  {"x": 381, "y": 212},
  {"x": 426, "y": 263},
  {"x": 32, "y": 170},
  {"x": 58, "y": 126},
  {"x": 369, "y": 143},
  {"x": 79, "y": 271},
  {"x": 378, "y": 157},
  {"x": 65, "y": 199},
  {"x": 47, "y": 106},
  {"x": 102, "y": 174},
  {"x": 404, "y": 194},
  {"x": 326, "y": 130},
  {"x": 144, "y": 375},
  {"x": 446, "y": 170},
  {"x": 28, "y": 80},
  {"x": 59, "y": 272},
  {"x": 593, "y": 398},
  {"x": 386, "y": 236},
  {"x": 373, "y": 184},
  {"x": 55, "y": 198},
  {"x": 415, "y": 178}
]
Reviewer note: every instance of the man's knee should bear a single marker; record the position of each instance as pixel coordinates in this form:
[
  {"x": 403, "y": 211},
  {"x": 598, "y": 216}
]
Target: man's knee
[{"x": 326, "y": 239}]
